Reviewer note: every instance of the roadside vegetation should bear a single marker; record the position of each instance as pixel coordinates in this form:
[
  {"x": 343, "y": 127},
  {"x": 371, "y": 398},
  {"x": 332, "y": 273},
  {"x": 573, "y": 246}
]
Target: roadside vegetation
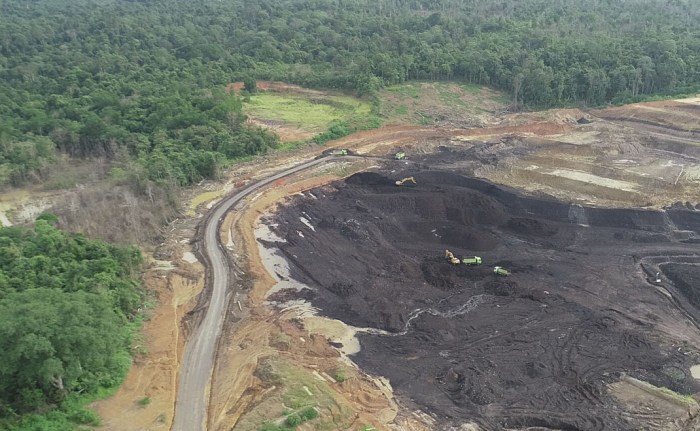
[{"x": 69, "y": 308}]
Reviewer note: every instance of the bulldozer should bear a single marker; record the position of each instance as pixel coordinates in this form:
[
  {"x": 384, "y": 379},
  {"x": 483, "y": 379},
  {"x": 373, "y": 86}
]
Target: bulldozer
[
  {"x": 451, "y": 258},
  {"x": 472, "y": 260},
  {"x": 411, "y": 179},
  {"x": 498, "y": 270}
]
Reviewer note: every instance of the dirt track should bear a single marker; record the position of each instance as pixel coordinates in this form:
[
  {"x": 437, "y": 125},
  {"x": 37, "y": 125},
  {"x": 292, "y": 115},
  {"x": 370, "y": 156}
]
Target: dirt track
[{"x": 539, "y": 348}]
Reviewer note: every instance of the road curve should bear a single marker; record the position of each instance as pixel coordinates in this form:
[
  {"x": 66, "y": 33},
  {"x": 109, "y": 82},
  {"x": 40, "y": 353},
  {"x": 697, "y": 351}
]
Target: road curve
[{"x": 192, "y": 400}]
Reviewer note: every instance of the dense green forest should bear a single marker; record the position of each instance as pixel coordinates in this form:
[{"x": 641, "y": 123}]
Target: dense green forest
[
  {"x": 144, "y": 80},
  {"x": 68, "y": 307}
]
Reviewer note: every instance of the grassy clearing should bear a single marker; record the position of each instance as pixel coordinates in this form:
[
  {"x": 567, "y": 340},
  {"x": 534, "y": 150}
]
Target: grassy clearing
[
  {"x": 431, "y": 103},
  {"x": 407, "y": 90},
  {"x": 309, "y": 113}
]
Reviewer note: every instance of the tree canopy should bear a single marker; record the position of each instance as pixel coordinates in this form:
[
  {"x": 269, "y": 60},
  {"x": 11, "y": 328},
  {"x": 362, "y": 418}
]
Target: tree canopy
[
  {"x": 146, "y": 78},
  {"x": 65, "y": 307}
]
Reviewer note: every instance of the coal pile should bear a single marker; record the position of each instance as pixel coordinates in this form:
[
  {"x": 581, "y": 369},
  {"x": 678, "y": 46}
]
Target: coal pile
[{"x": 535, "y": 349}]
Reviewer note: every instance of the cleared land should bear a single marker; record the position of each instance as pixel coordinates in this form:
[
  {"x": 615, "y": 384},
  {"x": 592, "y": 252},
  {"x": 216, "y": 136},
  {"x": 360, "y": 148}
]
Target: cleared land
[
  {"x": 297, "y": 113},
  {"x": 526, "y": 151}
]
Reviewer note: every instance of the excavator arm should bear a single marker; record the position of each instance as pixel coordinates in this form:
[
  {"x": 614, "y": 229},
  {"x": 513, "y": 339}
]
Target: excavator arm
[{"x": 411, "y": 179}]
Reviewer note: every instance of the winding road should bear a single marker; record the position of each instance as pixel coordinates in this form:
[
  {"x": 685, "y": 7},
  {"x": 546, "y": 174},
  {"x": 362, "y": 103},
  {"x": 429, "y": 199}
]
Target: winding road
[{"x": 192, "y": 400}]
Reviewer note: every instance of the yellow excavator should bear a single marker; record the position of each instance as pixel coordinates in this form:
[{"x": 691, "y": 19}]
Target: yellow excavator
[
  {"x": 451, "y": 258},
  {"x": 411, "y": 179}
]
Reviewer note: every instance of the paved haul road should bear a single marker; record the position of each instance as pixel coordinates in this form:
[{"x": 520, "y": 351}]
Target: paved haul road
[{"x": 196, "y": 368}]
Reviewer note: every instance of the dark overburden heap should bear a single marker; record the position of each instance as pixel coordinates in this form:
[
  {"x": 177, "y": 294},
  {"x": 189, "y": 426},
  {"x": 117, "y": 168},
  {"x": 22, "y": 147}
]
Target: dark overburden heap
[{"x": 538, "y": 348}]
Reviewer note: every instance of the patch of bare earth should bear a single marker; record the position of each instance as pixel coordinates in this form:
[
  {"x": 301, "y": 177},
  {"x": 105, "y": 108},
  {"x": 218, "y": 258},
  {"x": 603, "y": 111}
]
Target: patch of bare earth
[
  {"x": 442, "y": 105},
  {"x": 147, "y": 396},
  {"x": 286, "y": 132}
]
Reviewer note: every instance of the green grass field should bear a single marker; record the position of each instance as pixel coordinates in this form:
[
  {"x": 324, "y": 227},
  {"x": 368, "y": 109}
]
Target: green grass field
[{"x": 309, "y": 113}]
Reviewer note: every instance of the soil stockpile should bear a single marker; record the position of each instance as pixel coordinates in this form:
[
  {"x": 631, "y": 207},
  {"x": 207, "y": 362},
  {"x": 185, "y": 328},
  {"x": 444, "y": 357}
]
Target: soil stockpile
[{"x": 536, "y": 349}]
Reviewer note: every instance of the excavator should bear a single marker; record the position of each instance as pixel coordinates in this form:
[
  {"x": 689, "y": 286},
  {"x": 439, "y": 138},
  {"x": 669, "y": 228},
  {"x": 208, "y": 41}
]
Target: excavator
[
  {"x": 472, "y": 260},
  {"x": 411, "y": 179},
  {"x": 451, "y": 258},
  {"x": 499, "y": 270}
]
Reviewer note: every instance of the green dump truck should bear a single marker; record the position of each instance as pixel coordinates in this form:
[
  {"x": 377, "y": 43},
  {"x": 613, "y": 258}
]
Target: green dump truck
[
  {"x": 498, "y": 270},
  {"x": 472, "y": 260},
  {"x": 400, "y": 155}
]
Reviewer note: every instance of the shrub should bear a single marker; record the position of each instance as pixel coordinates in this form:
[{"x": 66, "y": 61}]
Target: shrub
[
  {"x": 339, "y": 375},
  {"x": 309, "y": 413},
  {"x": 293, "y": 420}
]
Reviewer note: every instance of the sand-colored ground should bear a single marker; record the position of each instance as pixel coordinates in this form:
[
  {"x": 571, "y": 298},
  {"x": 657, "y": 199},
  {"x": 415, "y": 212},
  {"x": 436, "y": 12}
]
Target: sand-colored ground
[{"x": 146, "y": 399}]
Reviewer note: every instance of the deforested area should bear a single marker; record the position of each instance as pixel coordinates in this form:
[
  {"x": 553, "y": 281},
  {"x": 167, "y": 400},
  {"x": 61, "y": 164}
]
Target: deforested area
[{"x": 553, "y": 344}]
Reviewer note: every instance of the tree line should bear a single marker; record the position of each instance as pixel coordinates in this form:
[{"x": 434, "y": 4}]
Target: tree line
[{"x": 68, "y": 312}]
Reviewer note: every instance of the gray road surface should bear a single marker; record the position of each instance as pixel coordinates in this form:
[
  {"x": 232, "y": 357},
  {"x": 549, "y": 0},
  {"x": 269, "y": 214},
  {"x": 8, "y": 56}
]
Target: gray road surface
[{"x": 196, "y": 368}]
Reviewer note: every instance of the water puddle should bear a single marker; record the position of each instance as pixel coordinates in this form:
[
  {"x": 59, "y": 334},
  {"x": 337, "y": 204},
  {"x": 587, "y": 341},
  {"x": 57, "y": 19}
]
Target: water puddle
[
  {"x": 695, "y": 371},
  {"x": 189, "y": 257}
]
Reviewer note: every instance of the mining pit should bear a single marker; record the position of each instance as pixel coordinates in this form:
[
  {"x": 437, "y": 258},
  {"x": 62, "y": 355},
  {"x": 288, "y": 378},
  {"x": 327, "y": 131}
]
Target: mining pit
[{"x": 581, "y": 311}]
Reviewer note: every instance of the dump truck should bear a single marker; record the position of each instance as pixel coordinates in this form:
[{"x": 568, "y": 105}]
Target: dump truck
[
  {"x": 400, "y": 155},
  {"x": 339, "y": 153},
  {"x": 498, "y": 270},
  {"x": 451, "y": 257},
  {"x": 411, "y": 179},
  {"x": 472, "y": 260}
]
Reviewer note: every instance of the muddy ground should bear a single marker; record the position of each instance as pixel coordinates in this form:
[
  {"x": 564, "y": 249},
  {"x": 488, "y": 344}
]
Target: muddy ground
[{"x": 537, "y": 349}]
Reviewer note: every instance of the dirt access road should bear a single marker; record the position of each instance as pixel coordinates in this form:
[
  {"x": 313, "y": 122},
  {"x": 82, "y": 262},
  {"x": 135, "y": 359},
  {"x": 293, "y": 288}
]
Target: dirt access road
[{"x": 196, "y": 368}]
